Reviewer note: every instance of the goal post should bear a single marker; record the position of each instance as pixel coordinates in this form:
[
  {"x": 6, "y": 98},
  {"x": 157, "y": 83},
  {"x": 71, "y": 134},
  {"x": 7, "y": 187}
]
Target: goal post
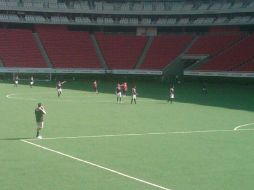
[{"x": 45, "y": 77}]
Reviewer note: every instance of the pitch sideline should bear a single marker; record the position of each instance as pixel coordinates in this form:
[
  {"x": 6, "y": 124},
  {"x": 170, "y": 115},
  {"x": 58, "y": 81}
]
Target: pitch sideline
[
  {"x": 97, "y": 166},
  {"x": 15, "y": 97},
  {"x": 119, "y": 135}
]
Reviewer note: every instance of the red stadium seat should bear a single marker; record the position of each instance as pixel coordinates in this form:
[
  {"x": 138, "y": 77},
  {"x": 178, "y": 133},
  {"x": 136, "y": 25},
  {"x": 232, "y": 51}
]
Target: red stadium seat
[
  {"x": 164, "y": 49},
  {"x": 19, "y": 49},
  {"x": 212, "y": 43},
  {"x": 249, "y": 66},
  {"x": 68, "y": 49},
  {"x": 231, "y": 57},
  {"x": 121, "y": 51}
]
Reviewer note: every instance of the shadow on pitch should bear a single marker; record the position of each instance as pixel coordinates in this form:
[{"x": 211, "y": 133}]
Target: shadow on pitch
[
  {"x": 228, "y": 94},
  {"x": 14, "y": 138}
]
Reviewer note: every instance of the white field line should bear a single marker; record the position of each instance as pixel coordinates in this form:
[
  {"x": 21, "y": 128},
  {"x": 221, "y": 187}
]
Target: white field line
[
  {"x": 10, "y": 96},
  {"x": 144, "y": 134},
  {"x": 125, "y": 100},
  {"x": 239, "y": 126},
  {"x": 96, "y": 165},
  {"x": 133, "y": 134}
]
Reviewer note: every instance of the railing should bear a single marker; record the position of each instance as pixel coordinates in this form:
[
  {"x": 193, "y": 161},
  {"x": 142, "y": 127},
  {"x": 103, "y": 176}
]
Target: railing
[
  {"x": 220, "y": 74},
  {"x": 78, "y": 71},
  {"x": 132, "y": 8}
]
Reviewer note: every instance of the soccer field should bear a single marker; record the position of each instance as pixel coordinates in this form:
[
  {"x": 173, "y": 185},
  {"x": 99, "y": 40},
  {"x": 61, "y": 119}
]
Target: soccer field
[{"x": 200, "y": 142}]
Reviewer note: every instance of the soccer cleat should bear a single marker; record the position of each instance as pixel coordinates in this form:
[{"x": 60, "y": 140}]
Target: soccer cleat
[{"x": 39, "y": 137}]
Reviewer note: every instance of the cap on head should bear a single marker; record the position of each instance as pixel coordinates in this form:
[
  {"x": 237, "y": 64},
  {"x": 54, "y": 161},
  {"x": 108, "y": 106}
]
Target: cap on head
[{"x": 39, "y": 104}]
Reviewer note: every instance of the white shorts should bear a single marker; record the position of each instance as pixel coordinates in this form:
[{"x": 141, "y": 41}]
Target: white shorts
[
  {"x": 119, "y": 94},
  {"x": 134, "y": 96},
  {"x": 172, "y": 96},
  {"x": 40, "y": 125},
  {"x": 16, "y": 82},
  {"x": 59, "y": 90},
  {"x": 31, "y": 83}
]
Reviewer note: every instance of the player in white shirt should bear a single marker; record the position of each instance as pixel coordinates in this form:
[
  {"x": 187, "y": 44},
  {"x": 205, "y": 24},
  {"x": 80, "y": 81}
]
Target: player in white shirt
[
  {"x": 118, "y": 93},
  {"x": 171, "y": 94},
  {"x": 134, "y": 94},
  {"x": 16, "y": 81},
  {"x": 31, "y": 81},
  {"x": 59, "y": 88}
]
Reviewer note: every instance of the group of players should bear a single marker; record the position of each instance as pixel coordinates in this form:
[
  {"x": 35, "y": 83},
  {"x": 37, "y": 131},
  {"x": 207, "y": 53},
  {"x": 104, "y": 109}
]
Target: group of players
[
  {"x": 121, "y": 90},
  {"x": 31, "y": 83},
  {"x": 16, "y": 81}
]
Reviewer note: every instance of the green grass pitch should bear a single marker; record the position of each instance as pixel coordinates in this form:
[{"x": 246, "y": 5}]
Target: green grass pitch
[{"x": 91, "y": 142}]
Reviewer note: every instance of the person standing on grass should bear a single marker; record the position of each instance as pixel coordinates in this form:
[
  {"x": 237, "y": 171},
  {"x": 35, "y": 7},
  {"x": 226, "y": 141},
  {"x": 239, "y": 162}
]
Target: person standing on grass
[
  {"x": 204, "y": 89},
  {"x": 125, "y": 88},
  {"x": 95, "y": 86},
  {"x": 31, "y": 81},
  {"x": 134, "y": 94},
  {"x": 118, "y": 93},
  {"x": 39, "y": 113},
  {"x": 171, "y": 94},
  {"x": 59, "y": 88},
  {"x": 16, "y": 81}
]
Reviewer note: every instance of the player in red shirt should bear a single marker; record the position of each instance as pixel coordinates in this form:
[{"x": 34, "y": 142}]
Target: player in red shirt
[{"x": 125, "y": 88}]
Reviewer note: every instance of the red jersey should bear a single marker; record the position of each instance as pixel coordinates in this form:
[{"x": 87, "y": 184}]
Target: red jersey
[{"x": 124, "y": 86}]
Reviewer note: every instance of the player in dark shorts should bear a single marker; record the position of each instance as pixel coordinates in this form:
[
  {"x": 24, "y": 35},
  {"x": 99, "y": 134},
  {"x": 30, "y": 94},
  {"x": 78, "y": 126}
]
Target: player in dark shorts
[
  {"x": 95, "y": 86},
  {"x": 39, "y": 113},
  {"x": 171, "y": 94},
  {"x": 118, "y": 93},
  {"x": 31, "y": 81},
  {"x": 16, "y": 81},
  {"x": 134, "y": 94},
  {"x": 204, "y": 88}
]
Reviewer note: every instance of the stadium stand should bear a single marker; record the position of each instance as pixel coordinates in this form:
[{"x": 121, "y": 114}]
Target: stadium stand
[
  {"x": 203, "y": 6},
  {"x": 231, "y": 57},
  {"x": 120, "y": 51},
  {"x": 164, "y": 49},
  {"x": 68, "y": 49},
  {"x": 223, "y": 48},
  {"x": 221, "y": 20},
  {"x": 205, "y": 21},
  {"x": 248, "y": 66},
  {"x": 221, "y": 29},
  {"x": 19, "y": 49},
  {"x": 214, "y": 42}
]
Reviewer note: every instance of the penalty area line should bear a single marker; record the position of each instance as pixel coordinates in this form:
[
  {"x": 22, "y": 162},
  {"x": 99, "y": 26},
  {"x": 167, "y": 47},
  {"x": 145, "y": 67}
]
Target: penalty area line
[
  {"x": 144, "y": 134},
  {"x": 96, "y": 165},
  {"x": 237, "y": 128}
]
